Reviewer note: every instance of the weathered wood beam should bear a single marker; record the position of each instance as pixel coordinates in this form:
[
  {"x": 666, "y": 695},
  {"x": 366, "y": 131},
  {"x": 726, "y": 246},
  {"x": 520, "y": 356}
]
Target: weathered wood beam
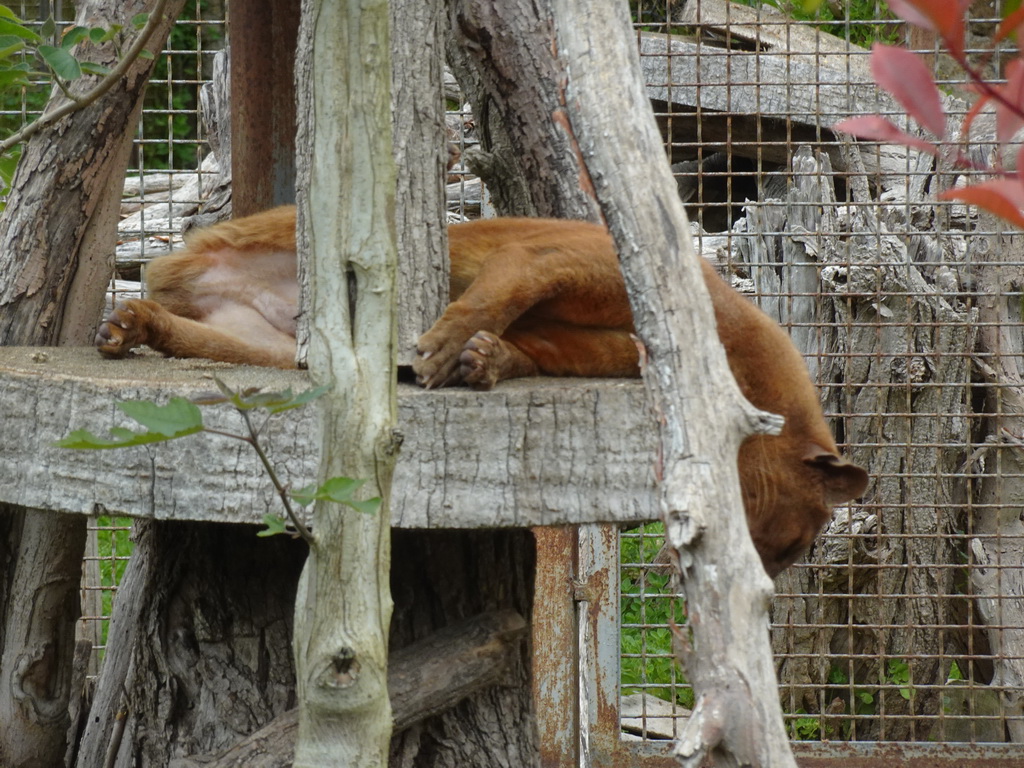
[
  {"x": 767, "y": 88},
  {"x": 532, "y": 452}
]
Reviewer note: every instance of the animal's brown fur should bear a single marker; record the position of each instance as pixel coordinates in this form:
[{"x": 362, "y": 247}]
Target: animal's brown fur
[{"x": 530, "y": 296}]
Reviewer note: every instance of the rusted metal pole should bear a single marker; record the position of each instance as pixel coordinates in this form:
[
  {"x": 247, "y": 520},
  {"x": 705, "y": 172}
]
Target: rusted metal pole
[{"x": 263, "y": 36}]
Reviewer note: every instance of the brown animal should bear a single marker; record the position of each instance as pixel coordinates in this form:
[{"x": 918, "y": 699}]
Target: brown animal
[{"x": 531, "y": 296}]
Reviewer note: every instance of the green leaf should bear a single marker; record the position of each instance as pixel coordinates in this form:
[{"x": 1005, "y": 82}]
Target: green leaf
[
  {"x": 277, "y": 402},
  {"x": 48, "y": 29},
  {"x": 147, "y": 55},
  {"x": 15, "y": 75},
  {"x": 14, "y": 27},
  {"x": 275, "y": 525},
  {"x": 64, "y": 65},
  {"x": 100, "y": 35},
  {"x": 91, "y": 68},
  {"x": 304, "y": 496},
  {"x": 368, "y": 507},
  {"x": 83, "y": 439},
  {"x": 274, "y": 402},
  {"x": 171, "y": 420},
  {"x": 139, "y": 21},
  {"x": 10, "y": 45},
  {"x": 8, "y": 165},
  {"x": 237, "y": 399},
  {"x": 339, "y": 490},
  {"x": 299, "y": 400},
  {"x": 210, "y": 398},
  {"x": 73, "y": 36}
]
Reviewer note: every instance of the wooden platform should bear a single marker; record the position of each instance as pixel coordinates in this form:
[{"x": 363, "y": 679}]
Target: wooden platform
[{"x": 532, "y": 452}]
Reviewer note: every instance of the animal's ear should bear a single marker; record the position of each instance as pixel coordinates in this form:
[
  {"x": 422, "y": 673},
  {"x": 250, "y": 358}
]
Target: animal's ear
[{"x": 843, "y": 480}]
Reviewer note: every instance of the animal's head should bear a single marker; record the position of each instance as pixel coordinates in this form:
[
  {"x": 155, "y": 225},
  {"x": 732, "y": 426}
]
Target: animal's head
[{"x": 789, "y": 492}]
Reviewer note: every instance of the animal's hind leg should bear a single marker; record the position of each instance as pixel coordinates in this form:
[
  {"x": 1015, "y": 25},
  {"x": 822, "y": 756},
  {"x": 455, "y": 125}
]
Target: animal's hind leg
[
  {"x": 553, "y": 349},
  {"x": 487, "y": 359},
  {"x": 563, "y": 349}
]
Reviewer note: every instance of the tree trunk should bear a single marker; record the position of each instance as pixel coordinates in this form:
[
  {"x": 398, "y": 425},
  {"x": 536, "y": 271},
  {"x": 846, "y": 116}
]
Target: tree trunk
[
  {"x": 57, "y": 234},
  {"x": 421, "y": 160},
  {"x": 346, "y": 231},
  {"x": 703, "y": 416},
  {"x": 584, "y": 118},
  {"x": 440, "y": 577},
  {"x": 997, "y": 546},
  {"x": 199, "y": 652},
  {"x": 909, "y": 543},
  {"x": 40, "y": 568},
  {"x": 504, "y": 57}
]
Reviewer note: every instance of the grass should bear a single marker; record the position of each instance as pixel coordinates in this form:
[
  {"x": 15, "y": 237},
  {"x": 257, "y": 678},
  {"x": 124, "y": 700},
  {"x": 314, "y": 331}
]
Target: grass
[
  {"x": 114, "y": 547},
  {"x": 648, "y": 607}
]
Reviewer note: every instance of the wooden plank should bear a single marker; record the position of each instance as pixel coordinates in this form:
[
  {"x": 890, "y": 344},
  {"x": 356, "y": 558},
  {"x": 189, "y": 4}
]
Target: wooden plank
[
  {"x": 764, "y": 103},
  {"x": 772, "y": 31},
  {"x": 532, "y": 452},
  {"x": 799, "y": 86}
]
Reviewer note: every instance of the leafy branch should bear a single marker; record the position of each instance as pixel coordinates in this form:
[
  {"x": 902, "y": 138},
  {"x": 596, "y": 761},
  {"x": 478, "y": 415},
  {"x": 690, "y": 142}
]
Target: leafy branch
[
  {"x": 181, "y": 417},
  {"x": 907, "y": 78},
  {"x": 15, "y": 37}
]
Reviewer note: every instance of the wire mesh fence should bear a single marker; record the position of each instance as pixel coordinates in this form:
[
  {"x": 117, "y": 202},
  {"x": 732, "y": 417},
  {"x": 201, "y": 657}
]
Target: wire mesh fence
[{"x": 903, "y": 624}]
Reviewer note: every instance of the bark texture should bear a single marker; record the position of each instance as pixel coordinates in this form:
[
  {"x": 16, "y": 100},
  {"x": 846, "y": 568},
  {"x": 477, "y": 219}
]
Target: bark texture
[
  {"x": 997, "y": 544},
  {"x": 421, "y": 159},
  {"x": 346, "y": 233},
  {"x": 469, "y": 459},
  {"x": 40, "y": 566},
  {"x": 481, "y": 583},
  {"x": 894, "y": 547},
  {"x": 505, "y": 57},
  {"x": 703, "y": 417},
  {"x": 199, "y": 651},
  {"x": 440, "y": 577},
  {"x": 57, "y": 235}
]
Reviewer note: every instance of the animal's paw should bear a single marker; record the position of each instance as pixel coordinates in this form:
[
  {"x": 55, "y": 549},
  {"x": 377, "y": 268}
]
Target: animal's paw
[
  {"x": 437, "y": 354},
  {"x": 481, "y": 360},
  {"x": 123, "y": 329}
]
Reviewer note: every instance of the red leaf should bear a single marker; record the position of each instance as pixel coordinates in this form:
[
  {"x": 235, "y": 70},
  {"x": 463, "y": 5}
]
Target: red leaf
[
  {"x": 1003, "y": 197},
  {"x": 1010, "y": 24},
  {"x": 1009, "y": 118},
  {"x": 906, "y": 77},
  {"x": 908, "y": 11},
  {"x": 946, "y": 17},
  {"x": 875, "y": 128}
]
